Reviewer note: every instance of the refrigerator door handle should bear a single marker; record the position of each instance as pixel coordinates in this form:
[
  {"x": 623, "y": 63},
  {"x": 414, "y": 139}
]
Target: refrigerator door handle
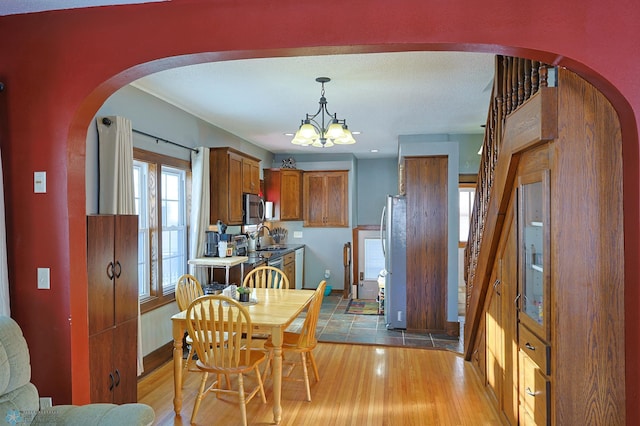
[{"x": 382, "y": 230}]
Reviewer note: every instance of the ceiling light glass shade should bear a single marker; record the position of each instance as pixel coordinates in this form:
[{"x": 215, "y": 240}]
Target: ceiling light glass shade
[
  {"x": 347, "y": 139},
  {"x": 299, "y": 140},
  {"x": 335, "y": 130},
  {"x": 307, "y": 131},
  {"x": 318, "y": 143}
]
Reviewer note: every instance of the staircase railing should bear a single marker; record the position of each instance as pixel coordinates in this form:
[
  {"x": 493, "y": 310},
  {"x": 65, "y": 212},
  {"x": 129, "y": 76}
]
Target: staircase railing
[{"x": 515, "y": 81}]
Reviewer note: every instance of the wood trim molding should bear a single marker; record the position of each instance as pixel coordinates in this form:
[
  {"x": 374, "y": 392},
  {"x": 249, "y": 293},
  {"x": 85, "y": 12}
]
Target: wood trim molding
[{"x": 157, "y": 358}]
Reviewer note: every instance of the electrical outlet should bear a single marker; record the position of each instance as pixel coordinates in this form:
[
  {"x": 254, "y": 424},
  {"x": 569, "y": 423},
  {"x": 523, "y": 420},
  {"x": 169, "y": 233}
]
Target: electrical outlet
[
  {"x": 297, "y": 234},
  {"x": 46, "y": 402},
  {"x": 327, "y": 273}
]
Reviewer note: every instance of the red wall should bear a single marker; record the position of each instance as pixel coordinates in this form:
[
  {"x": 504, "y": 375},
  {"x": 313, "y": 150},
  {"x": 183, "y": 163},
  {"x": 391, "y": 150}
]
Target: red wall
[{"x": 59, "y": 67}]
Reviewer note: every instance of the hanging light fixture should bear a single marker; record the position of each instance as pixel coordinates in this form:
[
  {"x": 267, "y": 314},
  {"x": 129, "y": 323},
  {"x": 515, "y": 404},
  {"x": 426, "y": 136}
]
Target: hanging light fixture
[{"x": 327, "y": 131}]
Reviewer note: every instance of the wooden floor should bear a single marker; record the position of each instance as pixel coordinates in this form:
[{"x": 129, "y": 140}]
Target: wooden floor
[{"x": 359, "y": 385}]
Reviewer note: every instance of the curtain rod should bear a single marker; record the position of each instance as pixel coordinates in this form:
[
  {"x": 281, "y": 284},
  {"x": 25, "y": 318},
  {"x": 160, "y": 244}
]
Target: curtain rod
[{"x": 107, "y": 122}]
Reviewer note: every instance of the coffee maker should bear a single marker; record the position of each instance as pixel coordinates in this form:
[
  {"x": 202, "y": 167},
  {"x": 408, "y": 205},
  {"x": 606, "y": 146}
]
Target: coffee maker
[{"x": 211, "y": 243}]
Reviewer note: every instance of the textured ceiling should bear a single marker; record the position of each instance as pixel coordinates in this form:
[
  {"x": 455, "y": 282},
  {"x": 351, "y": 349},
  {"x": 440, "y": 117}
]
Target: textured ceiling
[
  {"x": 15, "y": 7},
  {"x": 381, "y": 95}
]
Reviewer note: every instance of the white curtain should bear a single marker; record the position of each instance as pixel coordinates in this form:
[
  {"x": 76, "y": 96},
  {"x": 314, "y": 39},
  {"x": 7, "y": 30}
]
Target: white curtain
[
  {"x": 116, "y": 194},
  {"x": 199, "y": 209},
  {"x": 4, "y": 272}
]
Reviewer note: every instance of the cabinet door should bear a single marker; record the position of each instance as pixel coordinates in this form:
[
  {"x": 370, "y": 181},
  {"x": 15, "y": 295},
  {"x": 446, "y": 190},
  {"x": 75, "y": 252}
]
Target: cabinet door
[
  {"x": 533, "y": 197},
  {"x": 291, "y": 195},
  {"x": 124, "y": 362},
  {"x": 250, "y": 176},
  {"x": 314, "y": 196},
  {"x": 493, "y": 321},
  {"x": 336, "y": 193},
  {"x": 126, "y": 268},
  {"x": 235, "y": 190},
  {"x": 100, "y": 270},
  {"x": 101, "y": 380},
  {"x": 326, "y": 199}
]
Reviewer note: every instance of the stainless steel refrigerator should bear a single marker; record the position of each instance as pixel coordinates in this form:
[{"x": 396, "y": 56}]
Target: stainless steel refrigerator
[{"x": 393, "y": 234}]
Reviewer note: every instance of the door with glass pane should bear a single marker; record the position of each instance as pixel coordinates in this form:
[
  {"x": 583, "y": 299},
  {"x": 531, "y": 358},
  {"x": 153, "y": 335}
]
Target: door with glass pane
[
  {"x": 533, "y": 199},
  {"x": 370, "y": 263}
]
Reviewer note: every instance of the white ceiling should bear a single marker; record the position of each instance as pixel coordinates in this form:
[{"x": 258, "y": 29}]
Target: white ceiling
[
  {"x": 16, "y": 7},
  {"x": 381, "y": 95}
]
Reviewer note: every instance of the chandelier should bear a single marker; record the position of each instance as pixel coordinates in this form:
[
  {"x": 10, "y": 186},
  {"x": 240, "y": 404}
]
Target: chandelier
[{"x": 323, "y": 129}]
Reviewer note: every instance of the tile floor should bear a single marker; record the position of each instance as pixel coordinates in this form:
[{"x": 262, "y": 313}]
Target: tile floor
[{"x": 334, "y": 325}]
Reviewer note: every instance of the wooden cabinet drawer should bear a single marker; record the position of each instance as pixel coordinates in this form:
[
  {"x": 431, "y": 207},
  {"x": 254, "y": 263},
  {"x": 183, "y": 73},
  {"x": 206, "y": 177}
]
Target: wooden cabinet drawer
[
  {"x": 535, "y": 348},
  {"x": 288, "y": 258},
  {"x": 534, "y": 392}
]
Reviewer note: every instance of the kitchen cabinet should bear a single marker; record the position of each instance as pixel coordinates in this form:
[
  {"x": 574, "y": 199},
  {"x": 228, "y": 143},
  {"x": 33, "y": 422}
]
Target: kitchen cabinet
[
  {"x": 228, "y": 169},
  {"x": 325, "y": 198},
  {"x": 289, "y": 268},
  {"x": 250, "y": 176},
  {"x": 284, "y": 188},
  {"x": 112, "y": 269}
]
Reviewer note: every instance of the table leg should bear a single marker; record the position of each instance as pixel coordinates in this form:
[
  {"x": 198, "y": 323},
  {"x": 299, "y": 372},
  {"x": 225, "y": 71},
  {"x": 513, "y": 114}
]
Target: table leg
[
  {"x": 177, "y": 366},
  {"x": 276, "y": 339}
]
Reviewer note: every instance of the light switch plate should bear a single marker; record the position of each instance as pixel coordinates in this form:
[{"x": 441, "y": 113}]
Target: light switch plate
[
  {"x": 39, "y": 182},
  {"x": 44, "y": 281},
  {"x": 297, "y": 234}
]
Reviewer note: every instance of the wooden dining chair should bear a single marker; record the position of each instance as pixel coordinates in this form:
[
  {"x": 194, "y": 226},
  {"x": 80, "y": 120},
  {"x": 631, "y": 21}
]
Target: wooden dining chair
[
  {"x": 210, "y": 320},
  {"x": 188, "y": 289},
  {"x": 302, "y": 343},
  {"x": 266, "y": 277}
]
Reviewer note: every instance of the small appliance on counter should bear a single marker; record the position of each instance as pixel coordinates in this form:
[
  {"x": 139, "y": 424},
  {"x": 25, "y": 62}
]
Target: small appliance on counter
[
  {"x": 242, "y": 246},
  {"x": 212, "y": 238}
]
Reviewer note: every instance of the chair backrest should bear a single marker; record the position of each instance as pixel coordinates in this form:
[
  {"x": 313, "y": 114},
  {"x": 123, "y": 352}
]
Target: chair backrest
[
  {"x": 307, "y": 337},
  {"x": 188, "y": 289},
  {"x": 266, "y": 277},
  {"x": 220, "y": 327}
]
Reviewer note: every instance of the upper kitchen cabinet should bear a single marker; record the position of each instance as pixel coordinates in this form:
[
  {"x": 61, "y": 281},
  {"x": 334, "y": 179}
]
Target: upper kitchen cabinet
[
  {"x": 228, "y": 169},
  {"x": 284, "y": 188},
  {"x": 325, "y": 198},
  {"x": 250, "y": 176}
]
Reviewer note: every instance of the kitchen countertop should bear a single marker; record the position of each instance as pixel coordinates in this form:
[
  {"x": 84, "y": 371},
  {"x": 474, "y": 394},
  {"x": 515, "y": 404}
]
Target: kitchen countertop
[{"x": 269, "y": 252}]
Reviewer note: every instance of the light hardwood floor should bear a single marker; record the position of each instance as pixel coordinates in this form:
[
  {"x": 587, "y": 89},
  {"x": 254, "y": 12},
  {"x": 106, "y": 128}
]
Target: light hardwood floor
[{"x": 359, "y": 385}]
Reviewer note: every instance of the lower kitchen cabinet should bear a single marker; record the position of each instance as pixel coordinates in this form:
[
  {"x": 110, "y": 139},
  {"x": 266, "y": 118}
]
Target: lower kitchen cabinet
[
  {"x": 113, "y": 364},
  {"x": 289, "y": 268}
]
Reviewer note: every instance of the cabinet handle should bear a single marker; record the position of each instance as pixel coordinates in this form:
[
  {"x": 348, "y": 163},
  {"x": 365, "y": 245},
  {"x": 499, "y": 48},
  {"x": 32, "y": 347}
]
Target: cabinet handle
[
  {"x": 516, "y": 301},
  {"x": 117, "y": 377},
  {"x": 119, "y": 269},
  {"x": 530, "y": 392},
  {"x": 495, "y": 286},
  {"x": 110, "y": 270},
  {"x": 111, "y": 382},
  {"x": 529, "y": 346}
]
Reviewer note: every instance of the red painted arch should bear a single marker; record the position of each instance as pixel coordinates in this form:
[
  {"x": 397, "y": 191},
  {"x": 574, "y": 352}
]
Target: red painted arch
[{"x": 60, "y": 67}]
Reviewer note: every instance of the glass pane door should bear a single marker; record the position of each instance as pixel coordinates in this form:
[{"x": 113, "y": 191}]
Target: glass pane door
[{"x": 534, "y": 290}]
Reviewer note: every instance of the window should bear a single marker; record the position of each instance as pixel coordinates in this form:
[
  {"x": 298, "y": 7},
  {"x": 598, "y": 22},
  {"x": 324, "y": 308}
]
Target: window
[
  {"x": 140, "y": 171},
  {"x": 467, "y": 195},
  {"x": 174, "y": 227},
  {"x": 161, "y": 193}
]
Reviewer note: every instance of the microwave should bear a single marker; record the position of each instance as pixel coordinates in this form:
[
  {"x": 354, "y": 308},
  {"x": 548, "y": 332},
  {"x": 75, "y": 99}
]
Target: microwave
[{"x": 253, "y": 206}]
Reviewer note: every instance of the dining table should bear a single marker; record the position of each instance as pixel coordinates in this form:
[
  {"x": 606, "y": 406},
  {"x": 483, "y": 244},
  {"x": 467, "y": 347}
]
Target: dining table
[{"x": 272, "y": 311}]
